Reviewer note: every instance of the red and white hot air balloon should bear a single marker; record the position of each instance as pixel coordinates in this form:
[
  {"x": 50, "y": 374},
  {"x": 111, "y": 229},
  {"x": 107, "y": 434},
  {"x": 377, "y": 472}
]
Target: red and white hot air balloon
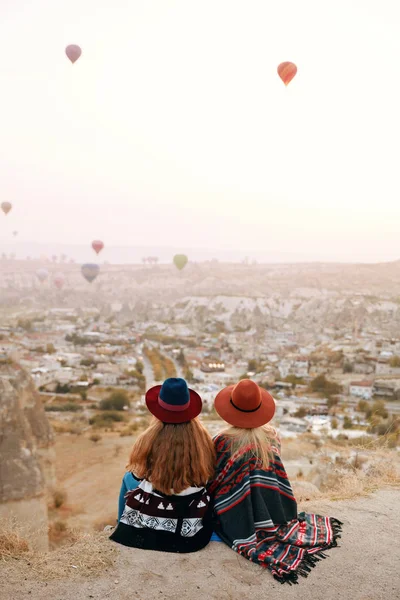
[
  {"x": 286, "y": 71},
  {"x": 97, "y": 246},
  {"x": 6, "y": 207},
  {"x": 59, "y": 281},
  {"x": 73, "y": 52}
]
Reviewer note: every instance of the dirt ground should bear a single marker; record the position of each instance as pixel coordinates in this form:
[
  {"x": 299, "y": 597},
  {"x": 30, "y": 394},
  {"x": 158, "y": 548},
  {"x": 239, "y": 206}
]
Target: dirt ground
[
  {"x": 364, "y": 567},
  {"x": 91, "y": 474}
]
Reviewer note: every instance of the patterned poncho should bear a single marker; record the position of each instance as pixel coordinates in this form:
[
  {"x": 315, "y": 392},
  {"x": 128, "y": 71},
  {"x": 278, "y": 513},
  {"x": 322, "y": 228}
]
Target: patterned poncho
[{"x": 256, "y": 514}]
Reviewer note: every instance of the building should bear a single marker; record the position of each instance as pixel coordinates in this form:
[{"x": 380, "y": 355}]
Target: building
[
  {"x": 387, "y": 388},
  {"x": 361, "y": 389},
  {"x": 212, "y": 367}
]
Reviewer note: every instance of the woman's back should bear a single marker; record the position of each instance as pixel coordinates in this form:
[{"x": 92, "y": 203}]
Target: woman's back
[
  {"x": 254, "y": 503},
  {"x": 240, "y": 470},
  {"x": 173, "y": 460}
]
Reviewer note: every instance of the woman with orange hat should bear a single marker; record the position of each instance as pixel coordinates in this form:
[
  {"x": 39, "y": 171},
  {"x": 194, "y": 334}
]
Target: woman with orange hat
[
  {"x": 254, "y": 504},
  {"x": 173, "y": 460}
]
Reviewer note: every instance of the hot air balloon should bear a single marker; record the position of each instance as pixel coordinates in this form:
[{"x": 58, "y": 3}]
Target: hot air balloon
[
  {"x": 6, "y": 207},
  {"x": 90, "y": 271},
  {"x": 59, "y": 280},
  {"x": 15, "y": 233},
  {"x": 73, "y": 52},
  {"x": 42, "y": 275},
  {"x": 97, "y": 246},
  {"x": 286, "y": 71},
  {"x": 180, "y": 261}
]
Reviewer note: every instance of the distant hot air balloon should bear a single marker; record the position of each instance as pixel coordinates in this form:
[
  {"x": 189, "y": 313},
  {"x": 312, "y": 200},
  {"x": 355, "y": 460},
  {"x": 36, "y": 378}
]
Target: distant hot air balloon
[
  {"x": 90, "y": 271},
  {"x": 15, "y": 233},
  {"x": 59, "y": 280},
  {"x": 42, "y": 275},
  {"x": 6, "y": 207},
  {"x": 73, "y": 52},
  {"x": 97, "y": 246},
  {"x": 286, "y": 71},
  {"x": 180, "y": 261}
]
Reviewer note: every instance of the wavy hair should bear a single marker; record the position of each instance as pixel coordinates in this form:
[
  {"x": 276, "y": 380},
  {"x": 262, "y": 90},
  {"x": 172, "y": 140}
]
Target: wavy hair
[
  {"x": 173, "y": 457},
  {"x": 258, "y": 442}
]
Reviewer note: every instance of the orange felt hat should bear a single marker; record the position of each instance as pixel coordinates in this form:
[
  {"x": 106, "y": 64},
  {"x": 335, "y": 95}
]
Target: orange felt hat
[{"x": 245, "y": 405}]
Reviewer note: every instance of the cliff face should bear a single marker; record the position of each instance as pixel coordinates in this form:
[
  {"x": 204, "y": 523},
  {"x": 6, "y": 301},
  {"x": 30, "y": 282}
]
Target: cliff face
[
  {"x": 25, "y": 436},
  {"x": 26, "y": 466}
]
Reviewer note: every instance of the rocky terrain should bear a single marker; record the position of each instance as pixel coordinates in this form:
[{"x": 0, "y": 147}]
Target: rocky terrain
[
  {"x": 308, "y": 296},
  {"x": 26, "y": 466}
]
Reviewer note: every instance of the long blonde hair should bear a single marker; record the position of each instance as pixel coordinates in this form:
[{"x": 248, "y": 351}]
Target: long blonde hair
[
  {"x": 173, "y": 457},
  {"x": 258, "y": 441}
]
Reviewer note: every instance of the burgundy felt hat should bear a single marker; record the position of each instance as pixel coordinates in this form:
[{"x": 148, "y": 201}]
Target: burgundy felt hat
[
  {"x": 245, "y": 405},
  {"x": 173, "y": 401}
]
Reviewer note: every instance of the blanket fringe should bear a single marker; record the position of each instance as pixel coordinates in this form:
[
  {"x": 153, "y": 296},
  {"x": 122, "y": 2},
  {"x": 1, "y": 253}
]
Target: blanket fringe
[{"x": 310, "y": 560}]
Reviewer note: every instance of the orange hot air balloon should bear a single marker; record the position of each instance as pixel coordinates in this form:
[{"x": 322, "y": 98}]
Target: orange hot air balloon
[
  {"x": 286, "y": 71},
  {"x": 97, "y": 246},
  {"x": 6, "y": 207},
  {"x": 73, "y": 52}
]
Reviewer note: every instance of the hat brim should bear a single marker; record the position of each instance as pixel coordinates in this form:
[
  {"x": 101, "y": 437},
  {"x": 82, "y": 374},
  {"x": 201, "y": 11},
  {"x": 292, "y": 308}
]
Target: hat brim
[
  {"x": 244, "y": 420},
  {"x": 169, "y": 416}
]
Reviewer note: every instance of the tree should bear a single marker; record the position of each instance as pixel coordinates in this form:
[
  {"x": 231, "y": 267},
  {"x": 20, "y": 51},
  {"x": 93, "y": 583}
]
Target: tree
[
  {"x": 394, "y": 361},
  {"x": 322, "y": 385},
  {"x": 181, "y": 358},
  {"x": 331, "y": 402},
  {"x": 189, "y": 375},
  {"x": 25, "y": 324},
  {"x": 378, "y": 409},
  {"x": 50, "y": 349},
  {"x": 300, "y": 412},
  {"x": 347, "y": 423},
  {"x": 115, "y": 401},
  {"x": 363, "y": 406},
  {"x": 347, "y": 367},
  {"x": 252, "y": 365},
  {"x": 62, "y": 388},
  {"x": 294, "y": 380},
  {"x": 334, "y": 424},
  {"x": 87, "y": 362},
  {"x": 139, "y": 366}
]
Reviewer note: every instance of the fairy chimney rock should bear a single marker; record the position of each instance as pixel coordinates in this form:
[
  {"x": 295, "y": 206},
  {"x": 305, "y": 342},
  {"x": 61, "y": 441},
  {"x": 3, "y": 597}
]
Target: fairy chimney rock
[{"x": 26, "y": 465}]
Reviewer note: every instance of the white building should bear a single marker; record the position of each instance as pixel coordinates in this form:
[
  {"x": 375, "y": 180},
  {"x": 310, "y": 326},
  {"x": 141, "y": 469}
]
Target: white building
[{"x": 361, "y": 389}]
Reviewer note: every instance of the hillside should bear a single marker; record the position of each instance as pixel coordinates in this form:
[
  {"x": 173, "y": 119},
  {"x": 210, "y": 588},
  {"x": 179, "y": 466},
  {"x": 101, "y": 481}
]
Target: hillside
[{"x": 364, "y": 567}]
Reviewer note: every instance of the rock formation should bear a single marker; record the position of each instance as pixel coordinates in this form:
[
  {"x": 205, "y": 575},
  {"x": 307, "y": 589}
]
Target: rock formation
[{"x": 26, "y": 464}]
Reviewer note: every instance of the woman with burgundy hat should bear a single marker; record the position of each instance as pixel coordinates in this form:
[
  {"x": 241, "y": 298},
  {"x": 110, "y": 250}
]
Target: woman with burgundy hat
[
  {"x": 169, "y": 508},
  {"x": 254, "y": 504}
]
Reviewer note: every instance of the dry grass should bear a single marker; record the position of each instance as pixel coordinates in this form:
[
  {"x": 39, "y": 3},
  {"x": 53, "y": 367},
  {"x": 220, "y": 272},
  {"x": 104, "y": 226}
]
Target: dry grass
[
  {"x": 362, "y": 475},
  {"x": 12, "y": 545},
  {"x": 75, "y": 425},
  {"x": 83, "y": 555}
]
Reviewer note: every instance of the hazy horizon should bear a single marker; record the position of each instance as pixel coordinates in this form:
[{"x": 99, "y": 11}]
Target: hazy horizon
[
  {"x": 120, "y": 254},
  {"x": 173, "y": 129}
]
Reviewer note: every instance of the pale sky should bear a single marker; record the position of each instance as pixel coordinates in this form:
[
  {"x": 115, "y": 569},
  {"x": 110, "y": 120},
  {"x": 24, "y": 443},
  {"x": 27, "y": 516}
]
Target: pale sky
[{"x": 174, "y": 129}]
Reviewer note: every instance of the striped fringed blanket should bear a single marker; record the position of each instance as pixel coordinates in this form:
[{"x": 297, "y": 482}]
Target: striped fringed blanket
[{"x": 256, "y": 515}]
